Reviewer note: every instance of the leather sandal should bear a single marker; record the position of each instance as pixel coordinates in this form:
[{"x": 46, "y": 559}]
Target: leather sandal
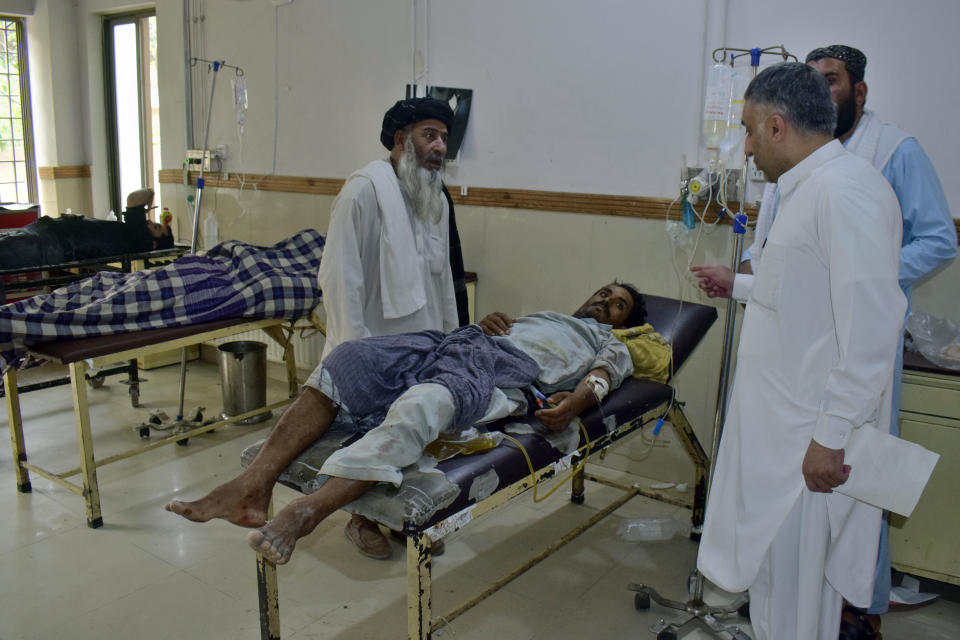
[{"x": 366, "y": 536}]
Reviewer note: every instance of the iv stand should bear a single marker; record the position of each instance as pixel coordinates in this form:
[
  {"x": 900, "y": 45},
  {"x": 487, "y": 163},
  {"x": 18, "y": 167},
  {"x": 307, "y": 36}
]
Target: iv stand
[
  {"x": 215, "y": 66},
  {"x": 703, "y": 614}
]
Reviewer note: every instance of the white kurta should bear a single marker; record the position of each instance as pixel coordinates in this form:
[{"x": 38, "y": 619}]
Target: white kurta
[
  {"x": 350, "y": 274},
  {"x": 815, "y": 361}
]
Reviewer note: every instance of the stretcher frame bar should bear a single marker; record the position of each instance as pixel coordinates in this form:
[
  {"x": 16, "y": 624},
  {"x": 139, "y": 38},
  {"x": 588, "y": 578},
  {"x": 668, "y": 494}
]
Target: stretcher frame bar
[
  {"x": 420, "y": 623},
  {"x": 89, "y": 487}
]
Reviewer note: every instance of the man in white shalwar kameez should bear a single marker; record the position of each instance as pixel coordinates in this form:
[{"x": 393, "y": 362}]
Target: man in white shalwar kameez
[
  {"x": 386, "y": 263},
  {"x": 815, "y": 363},
  {"x": 929, "y": 238}
]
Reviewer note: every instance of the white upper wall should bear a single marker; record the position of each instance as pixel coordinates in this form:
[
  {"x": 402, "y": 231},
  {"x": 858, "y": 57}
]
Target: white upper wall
[
  {"x": 598, "y": 97},
  {"x": 911, "y": 63},
  {"x": 576, "y": 99},
  {"x": 55, "y": 83},
  {"x": 18, "y": 7}
]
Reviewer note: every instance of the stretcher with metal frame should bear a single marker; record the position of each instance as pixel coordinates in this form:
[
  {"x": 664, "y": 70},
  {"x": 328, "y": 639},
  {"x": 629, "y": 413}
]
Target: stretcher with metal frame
[
  {"x": 624, "y": 412},
  {"x": 82, "y": 354},
  {"x": 30, "y": 280},
  {"x": 34, "y": 279}
]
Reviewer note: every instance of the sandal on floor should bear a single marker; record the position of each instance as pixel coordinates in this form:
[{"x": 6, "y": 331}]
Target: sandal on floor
[{"x": 854, "y": 625}]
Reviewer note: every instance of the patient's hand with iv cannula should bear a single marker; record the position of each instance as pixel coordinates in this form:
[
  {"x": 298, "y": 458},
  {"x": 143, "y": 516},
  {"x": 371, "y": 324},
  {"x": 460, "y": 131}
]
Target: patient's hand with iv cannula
[{"x": 564, "y": 406}]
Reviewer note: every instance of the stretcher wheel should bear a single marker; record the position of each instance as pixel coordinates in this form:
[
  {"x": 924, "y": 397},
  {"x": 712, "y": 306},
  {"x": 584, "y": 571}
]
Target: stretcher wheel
[
  {"x": 667, "y": 634},
  {"x": 144, "y": 431},
  {"x": 641, "y": 601},
  {"x": 576, "y": 499},
  {"x": 183, "y": 443},
  {"x": 96, "y": 381}
]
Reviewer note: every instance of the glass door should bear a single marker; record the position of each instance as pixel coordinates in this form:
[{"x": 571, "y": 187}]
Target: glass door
[{"x": 130, "y": 57}]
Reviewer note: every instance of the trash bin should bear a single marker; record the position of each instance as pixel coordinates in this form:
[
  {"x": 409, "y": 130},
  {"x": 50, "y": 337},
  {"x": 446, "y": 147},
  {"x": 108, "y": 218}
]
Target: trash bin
[{"x": 243, "y": 377}]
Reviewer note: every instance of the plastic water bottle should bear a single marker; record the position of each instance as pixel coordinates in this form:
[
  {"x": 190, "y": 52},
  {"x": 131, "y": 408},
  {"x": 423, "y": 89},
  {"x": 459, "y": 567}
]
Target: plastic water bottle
[{"x": 650, "y": 529}]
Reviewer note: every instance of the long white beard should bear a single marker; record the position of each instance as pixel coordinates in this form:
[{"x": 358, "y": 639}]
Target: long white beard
[{"x": 422, "y": 186}]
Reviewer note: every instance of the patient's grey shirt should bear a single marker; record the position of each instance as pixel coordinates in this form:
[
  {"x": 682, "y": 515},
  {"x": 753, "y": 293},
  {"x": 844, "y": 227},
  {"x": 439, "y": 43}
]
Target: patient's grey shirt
[{"x": 568, "y": 348}]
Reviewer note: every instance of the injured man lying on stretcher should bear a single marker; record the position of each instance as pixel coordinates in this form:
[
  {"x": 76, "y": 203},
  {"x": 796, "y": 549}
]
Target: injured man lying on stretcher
[
  {"x": 74, "y": 238},
  {"x": 404, "y": 390}
]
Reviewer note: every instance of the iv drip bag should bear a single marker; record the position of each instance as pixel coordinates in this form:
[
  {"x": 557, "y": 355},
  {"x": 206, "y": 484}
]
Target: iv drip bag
[
  {"x": 240, "y": 100},
  {"x": 734, "y": 133},
  {"x": 716, "y": 105}
]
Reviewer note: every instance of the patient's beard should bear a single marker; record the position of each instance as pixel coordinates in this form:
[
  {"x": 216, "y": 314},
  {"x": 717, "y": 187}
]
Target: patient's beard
[{"x": 422, "y": 186}]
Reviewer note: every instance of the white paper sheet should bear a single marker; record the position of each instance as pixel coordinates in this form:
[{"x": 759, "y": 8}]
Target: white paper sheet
[{"x": 886, "y": 471}]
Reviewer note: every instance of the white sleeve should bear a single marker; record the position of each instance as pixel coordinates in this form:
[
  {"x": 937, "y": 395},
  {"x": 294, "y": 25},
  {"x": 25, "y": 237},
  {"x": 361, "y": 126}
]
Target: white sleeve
[
  {"x": 742, "y": 284},
  {"x": 860, "y": 235},
  {"x": 341, "y": 270}
]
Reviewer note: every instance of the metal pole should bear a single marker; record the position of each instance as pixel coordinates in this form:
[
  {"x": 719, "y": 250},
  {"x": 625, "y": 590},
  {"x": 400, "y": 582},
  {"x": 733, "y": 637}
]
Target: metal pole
[
  {"x": 739, "y": 229},
  {"x": 196, "y": 224}
]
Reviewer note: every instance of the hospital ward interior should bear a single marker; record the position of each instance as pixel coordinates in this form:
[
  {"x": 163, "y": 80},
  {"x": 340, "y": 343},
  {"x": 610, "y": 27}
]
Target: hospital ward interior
[{"x": 201, "y": 201}]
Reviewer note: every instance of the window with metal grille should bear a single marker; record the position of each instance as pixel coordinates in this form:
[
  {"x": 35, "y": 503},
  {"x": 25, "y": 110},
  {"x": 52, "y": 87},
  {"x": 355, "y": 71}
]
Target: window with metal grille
[{"x": 17, "y": 182}]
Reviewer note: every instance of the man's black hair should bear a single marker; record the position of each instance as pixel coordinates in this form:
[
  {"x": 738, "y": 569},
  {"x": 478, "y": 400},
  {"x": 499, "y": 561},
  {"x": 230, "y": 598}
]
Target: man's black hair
[{"x": 638, "y": 314}]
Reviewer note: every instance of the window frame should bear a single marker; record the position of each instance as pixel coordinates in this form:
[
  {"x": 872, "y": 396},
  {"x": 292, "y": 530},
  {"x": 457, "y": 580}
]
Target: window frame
[
  {"x": 26, "y": 111},
  {"x": 117, "y": 201}
]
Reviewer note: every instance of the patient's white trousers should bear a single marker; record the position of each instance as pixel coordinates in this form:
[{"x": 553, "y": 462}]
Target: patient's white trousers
[
  {"x": 414, "y": 420},
  {"x": 791, "y": 598}
]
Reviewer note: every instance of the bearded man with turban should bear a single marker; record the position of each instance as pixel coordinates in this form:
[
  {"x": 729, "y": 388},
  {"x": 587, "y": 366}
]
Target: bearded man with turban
[{"x": 386, "y": 264}]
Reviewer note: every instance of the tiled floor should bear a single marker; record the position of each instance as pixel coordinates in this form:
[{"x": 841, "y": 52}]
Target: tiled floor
[{"x": 150, "y": 575}]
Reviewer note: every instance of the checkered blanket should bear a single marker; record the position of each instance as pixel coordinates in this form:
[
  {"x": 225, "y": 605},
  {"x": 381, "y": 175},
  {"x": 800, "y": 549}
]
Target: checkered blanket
[{"x": 234, "y": 279}]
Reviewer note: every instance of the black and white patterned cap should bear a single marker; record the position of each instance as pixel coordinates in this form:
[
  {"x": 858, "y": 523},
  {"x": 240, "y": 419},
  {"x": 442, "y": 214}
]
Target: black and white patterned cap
[{"x": 853, "y": 59}]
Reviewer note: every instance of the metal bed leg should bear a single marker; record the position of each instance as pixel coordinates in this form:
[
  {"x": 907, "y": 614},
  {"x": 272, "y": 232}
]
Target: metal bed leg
[
  {"x": 684, "y": 432},
  {"x": 269, "y": 597},
  {"x": 133, "y": 379},
  {"x": 578, "y": 486},
  {"x": 88, "y": 467},
  {"x": 16, "y": 430},
  {"x": 289, "y": 356},
  {"x": 268, "y": 593},
  {"x": 419, "y": 615}
]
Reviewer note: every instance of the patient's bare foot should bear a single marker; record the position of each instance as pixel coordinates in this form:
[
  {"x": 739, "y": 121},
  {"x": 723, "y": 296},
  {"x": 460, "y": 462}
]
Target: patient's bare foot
[
  {"x": 276, "y": 539},
  {"x": 238, "y": 501}
]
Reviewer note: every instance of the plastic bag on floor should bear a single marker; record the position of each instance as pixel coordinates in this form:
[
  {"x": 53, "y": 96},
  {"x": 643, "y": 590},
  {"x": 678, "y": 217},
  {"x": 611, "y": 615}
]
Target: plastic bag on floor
[
  {"x": 936, "y": 339},
  {"x": 651, "y": 529}
]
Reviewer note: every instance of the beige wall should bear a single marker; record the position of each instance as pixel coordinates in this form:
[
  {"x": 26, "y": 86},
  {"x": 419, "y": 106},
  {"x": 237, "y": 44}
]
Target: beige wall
[
  {"x": 59, "y": 194},
  {"x": 259, "y": 217}
]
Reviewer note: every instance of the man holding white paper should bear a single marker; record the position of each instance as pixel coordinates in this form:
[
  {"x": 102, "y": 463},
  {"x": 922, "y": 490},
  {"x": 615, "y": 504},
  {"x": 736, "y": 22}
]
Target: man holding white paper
[{"x": 815, "y": 364}]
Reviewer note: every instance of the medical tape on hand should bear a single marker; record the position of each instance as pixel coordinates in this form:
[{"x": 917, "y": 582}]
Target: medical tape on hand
[{"x": 600, "y": 386}]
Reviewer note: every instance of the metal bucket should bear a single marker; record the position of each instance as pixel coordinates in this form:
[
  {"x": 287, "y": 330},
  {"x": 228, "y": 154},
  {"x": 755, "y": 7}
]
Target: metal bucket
[{"x": 243, "y": 377}]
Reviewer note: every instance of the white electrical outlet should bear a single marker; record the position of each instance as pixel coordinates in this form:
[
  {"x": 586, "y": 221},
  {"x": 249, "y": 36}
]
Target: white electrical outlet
[
  {"x": 195, "y": 156},
  {"x": 754, "y": 174}
]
